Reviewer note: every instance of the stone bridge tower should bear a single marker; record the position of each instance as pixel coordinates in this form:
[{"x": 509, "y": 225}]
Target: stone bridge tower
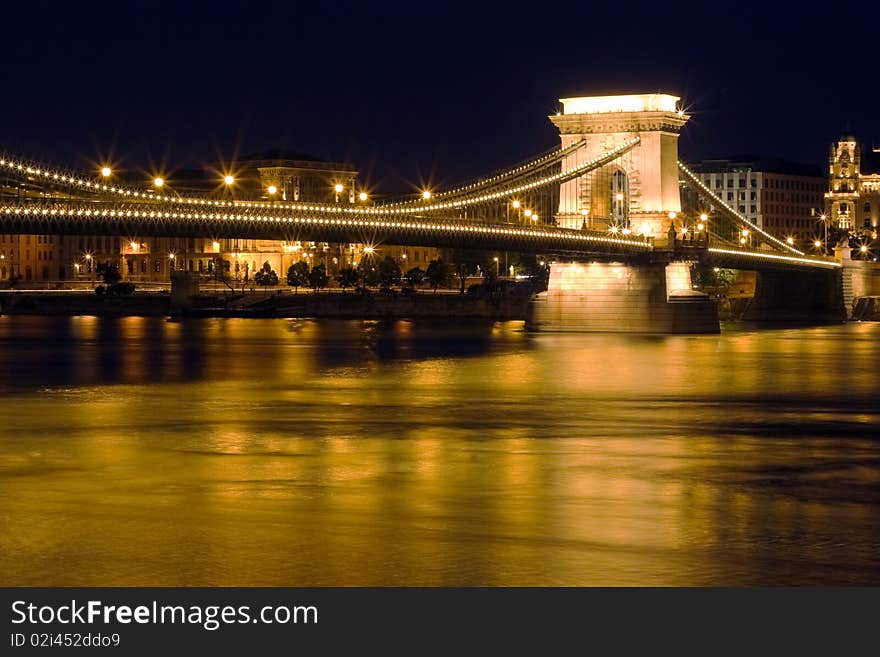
[{"x": 636, "y": 192}]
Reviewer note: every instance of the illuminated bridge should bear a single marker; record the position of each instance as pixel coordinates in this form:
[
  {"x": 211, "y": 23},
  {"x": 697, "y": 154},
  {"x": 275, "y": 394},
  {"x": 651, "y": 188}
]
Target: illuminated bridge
[{"x": 616, "y": 173}]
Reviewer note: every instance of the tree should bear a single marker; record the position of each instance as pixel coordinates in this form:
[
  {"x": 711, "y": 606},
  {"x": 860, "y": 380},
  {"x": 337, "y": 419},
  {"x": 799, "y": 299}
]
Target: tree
[
  {"x": 389, "y": 273},
  {"x": 414, "y": 278},
  {"x": 347, "y": 277},
  {"x": 438, "y": 274},
  {"x": 367, "y": 273},
  {"x": 318, "y": 278},
  {"x": 467, "y": 263},
  {"x": 222, "y": 269},
  {"x": 109, "y": 272},
  {"x": 298, "y": 275},
  {"x": 266, "y": 276}
]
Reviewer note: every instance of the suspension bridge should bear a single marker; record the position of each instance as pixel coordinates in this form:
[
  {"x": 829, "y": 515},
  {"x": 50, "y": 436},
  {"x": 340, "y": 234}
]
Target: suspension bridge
[{"x": 616, "y": 174}]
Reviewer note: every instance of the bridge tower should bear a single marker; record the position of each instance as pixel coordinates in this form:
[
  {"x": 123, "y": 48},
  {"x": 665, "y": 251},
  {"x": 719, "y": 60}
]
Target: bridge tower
[{"x": 640, "y": 190}]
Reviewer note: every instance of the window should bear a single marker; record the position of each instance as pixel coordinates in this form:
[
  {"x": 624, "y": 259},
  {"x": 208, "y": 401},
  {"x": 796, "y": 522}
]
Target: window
[
  {"x": 754, "y": 209},
  {"x": 730, "y": 182},
  {"x": 729, "y": 196}
]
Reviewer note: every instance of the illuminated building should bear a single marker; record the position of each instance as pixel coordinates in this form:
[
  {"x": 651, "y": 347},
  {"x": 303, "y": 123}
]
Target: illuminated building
[
  {"x": 853, "y": 197},
  {"x": 780, "y": 197}
]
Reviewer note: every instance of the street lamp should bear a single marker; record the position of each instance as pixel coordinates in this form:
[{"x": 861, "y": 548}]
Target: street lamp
[
  {"x": 338, "y": 188},
  {"x": 426, "y": 195},
  {"x": 228, "y": 179},
  {"x": 272, "y": 189},
  {"x": 158, "y": 182},
  {"x": 106, "y": 172},
  {"x": 496, "y": 265},
  {"x": 363, "y": 196}
]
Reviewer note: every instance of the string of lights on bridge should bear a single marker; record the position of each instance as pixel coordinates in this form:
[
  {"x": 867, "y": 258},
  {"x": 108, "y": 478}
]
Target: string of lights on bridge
[
  {"x": 717, "y": 199},
  {"x": 540, "y": 162},
  {"x": 574, "y": 236},
  {"x": 77, "y": 182}
]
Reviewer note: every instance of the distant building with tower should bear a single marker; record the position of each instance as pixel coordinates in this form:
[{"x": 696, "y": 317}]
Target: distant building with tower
[{"x": 852, "y": 201}]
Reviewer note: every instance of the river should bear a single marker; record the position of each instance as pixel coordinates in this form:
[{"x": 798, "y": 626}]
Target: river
[{"x": 142, "y": 451}]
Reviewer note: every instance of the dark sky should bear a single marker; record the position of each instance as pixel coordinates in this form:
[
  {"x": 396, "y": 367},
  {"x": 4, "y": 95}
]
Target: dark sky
[{"x": 422, "y": 91}]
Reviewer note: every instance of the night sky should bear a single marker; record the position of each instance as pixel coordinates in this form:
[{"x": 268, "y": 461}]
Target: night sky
[{"x": 422, "y": 92}]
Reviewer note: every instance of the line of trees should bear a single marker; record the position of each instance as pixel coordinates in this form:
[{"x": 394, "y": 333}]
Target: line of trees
[{"x": 386, "y": 274}]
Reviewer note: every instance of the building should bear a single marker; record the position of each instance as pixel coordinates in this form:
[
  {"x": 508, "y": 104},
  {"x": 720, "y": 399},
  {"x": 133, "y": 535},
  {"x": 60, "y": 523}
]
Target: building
[
  {"x": 852, "y": 201},
  {"x": 782, "y": 198}
]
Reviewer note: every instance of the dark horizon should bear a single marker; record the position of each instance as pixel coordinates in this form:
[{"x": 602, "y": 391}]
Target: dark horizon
[{"x": 417, "y": 96}]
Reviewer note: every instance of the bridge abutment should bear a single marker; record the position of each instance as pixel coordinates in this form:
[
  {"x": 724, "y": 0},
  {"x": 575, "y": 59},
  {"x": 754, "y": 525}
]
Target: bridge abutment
[
  {"x": 797, "y": 296},
  {"x": 622, "y": 297}
]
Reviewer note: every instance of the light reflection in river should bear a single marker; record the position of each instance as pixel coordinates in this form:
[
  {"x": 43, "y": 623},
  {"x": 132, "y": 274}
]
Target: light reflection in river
[{"x": 292, "y": 452}]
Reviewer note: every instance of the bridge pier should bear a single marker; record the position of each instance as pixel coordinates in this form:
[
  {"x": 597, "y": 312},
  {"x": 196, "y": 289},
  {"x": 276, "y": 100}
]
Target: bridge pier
[
  {"x": 622, "y": 297},
  {"x": 797, "y": 296}
]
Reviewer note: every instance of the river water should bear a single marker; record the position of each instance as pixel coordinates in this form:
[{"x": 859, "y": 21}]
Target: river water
[{"x": 141, "y": 451}]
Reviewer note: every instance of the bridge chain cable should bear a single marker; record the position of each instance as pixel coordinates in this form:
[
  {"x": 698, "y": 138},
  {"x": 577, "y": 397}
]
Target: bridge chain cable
[
  {"x": 85, "y": 185},
  {"x": 494, "y": 180},
  {"x": 691, "y": 179}
]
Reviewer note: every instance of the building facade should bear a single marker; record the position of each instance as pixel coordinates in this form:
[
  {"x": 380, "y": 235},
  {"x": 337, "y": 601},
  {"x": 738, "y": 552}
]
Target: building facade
[
  {"x": 783, "y": 198},
  {"x": 852, "y": 201}
]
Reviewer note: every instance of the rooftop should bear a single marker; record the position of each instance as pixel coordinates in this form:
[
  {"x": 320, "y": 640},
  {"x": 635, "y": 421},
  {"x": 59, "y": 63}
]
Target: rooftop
[
  {"x": 625, "y": 103},
  {"x": 757, "y": 163}
]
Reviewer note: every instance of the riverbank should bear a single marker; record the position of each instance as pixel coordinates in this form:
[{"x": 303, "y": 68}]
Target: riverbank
[{"x": 267, "y": 305}]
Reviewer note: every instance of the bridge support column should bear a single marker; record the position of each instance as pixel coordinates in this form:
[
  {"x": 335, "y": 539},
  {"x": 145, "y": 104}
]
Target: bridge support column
[{"x": 626, "y": 298}]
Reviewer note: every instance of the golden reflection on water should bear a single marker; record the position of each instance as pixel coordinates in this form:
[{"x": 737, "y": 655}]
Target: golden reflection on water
[{"x": 291, "y": 452}]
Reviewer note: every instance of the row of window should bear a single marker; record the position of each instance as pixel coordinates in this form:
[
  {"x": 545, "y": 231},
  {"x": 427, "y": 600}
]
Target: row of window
[{"x": 770, "y": 183}]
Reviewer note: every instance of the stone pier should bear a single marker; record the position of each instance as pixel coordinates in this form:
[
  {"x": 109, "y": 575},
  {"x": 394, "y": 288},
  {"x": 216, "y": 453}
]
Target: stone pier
[{"x": 621, "y": 297}]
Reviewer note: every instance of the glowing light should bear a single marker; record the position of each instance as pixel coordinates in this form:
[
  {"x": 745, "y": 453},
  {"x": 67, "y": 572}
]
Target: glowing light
[
  {"x": 745, "y": 232},
  {"x": 626, "y": 231},
  {"x": 106, "y": 172},
  {"x": 426, "y": 195},
  {"x": 742, "y": 240},
  {"x": 628, "y": 103},
  {"x": 88, "y": 256},
  {"x": 790, "y": 240},
  {"x": 672, "y": 215},
  {"x": 704, "y": 217},
  {"x": 614, "y": 229},
  {"x": 584, "y": 212},
  {"x": 369, "y": 249},
  {"x": 619, "y": 196},
  {"x": 363, "y": 196},
  {"x": 338, "y": 188},
  {"x": 158, "y": 181},
  {"x": 700, "y": 226},
  {"x": 272, "y": 190},
  {"x": 134, "y": 246},
  {"x": 863, "y": 248},
  {"x": 228, "y": 179},
  {"x": 171, "y": 256},
  {"x": 817, "y": 243},
  {"x": 528, "y": 213}
]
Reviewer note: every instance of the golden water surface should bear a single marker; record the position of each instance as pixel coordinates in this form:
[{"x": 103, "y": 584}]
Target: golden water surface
[{"x": 141, "y": 451}]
